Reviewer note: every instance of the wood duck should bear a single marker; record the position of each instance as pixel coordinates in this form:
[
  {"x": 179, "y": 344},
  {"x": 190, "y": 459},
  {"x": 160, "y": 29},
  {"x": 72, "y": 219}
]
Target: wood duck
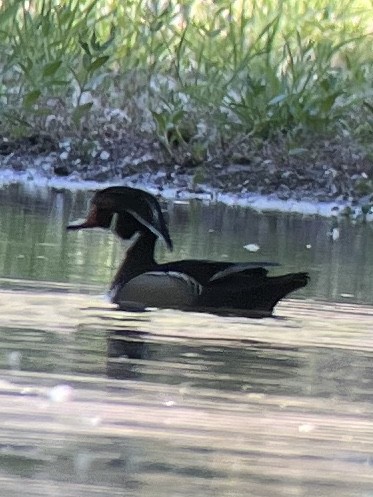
[{"x": 196, "y": 285}]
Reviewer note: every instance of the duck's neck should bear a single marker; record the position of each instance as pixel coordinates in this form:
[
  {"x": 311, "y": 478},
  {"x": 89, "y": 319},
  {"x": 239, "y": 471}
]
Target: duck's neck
[{"x": 139, "y": 259}]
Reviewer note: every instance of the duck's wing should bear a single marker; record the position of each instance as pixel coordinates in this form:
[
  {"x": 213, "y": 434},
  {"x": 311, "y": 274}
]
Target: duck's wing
[
  {"x": 209, "y": 272},
  {"x": 242, "y": 269}
]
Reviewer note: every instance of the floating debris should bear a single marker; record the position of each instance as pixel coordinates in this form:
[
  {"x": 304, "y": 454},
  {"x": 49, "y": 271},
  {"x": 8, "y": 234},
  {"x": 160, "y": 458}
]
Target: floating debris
[{"x": 251, "y": 247}]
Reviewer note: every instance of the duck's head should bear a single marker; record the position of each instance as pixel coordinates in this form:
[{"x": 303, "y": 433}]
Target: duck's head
[{"x": 127, "y": 211}]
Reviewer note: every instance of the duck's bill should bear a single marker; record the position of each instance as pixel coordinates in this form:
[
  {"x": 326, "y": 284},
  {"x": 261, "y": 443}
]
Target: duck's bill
[{"x": 89, "y": 222}]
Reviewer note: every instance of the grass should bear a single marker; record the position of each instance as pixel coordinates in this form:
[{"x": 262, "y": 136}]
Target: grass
[{"x": 196, "y": 74}]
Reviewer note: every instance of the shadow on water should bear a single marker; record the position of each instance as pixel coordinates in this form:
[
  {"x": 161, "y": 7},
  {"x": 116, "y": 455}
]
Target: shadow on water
[{"x": 94, "y": 401}]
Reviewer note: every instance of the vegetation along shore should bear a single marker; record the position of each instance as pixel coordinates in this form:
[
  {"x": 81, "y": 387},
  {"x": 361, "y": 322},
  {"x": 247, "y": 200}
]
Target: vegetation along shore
[{"x": 242, "y": 96}]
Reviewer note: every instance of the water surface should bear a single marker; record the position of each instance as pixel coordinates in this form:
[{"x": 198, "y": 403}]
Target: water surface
[{"x": 105, "y": 403}]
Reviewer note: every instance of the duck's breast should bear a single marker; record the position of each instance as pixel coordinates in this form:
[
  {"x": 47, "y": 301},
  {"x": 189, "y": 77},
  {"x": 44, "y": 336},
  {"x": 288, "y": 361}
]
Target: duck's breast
[{"x": 159, "y": 289}]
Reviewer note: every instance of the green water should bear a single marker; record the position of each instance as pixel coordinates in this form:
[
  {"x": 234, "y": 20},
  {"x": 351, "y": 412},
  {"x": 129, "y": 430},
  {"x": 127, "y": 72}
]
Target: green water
[
  {"x": 35, "y": 245},
  {"x": 96, "y": 402}
]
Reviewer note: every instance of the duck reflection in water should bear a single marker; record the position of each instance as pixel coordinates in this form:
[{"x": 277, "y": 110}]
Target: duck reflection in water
[
  {"x": 125, "y": 348},
  {"x": 196, "y": 285},
  {"x": 139, "y": 355}
]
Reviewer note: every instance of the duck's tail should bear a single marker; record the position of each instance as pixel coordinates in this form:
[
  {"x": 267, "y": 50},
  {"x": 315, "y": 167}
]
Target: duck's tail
[
  {"x": 258, "y": 293},
  {"x": 278, "y": 287}
]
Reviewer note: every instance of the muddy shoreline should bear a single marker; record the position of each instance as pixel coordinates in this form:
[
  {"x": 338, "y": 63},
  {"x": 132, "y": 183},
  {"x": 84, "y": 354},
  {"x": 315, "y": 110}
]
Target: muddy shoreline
[{"x": 322, "y": 171}]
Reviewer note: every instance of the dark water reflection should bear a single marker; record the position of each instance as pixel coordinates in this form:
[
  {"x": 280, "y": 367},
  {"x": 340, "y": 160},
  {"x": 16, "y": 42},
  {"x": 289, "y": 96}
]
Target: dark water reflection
[
  {"x": 99, "y": 402},
  {"x": 250, "y": 366}
]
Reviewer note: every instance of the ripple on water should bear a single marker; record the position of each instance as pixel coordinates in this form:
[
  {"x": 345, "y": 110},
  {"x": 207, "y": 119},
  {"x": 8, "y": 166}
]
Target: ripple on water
[{"x": 172, "y": 403}]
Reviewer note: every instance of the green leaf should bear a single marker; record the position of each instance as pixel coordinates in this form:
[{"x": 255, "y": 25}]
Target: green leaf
[
  {"x": 214, "y": 33},
  {"x": 80, "y": 112},
  {"x": 368, "y": 106},
  {"x": 26, "y": 67},
  {"x": 93, "y": 42},
  {"x": 8, "y": 13},
  {"x": 110, "y": 40},
  {"x": 329, "y": 101},
  {"x": 51, "y": 68},
  {"x": 97, "y": 63},
  {"x": 156, "y": 26},
  {"x": 160, "y": 120},
  {"x": 65, "y": 15},
  {"x": 177, "y": 116},
  {"x": 45, "y": 26},
  {"x": 59, "y": 82},
  {"x": 85, "y": 47},
  {"x": 30, "y": 98},
  {"x": 86, "y": 61}
]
